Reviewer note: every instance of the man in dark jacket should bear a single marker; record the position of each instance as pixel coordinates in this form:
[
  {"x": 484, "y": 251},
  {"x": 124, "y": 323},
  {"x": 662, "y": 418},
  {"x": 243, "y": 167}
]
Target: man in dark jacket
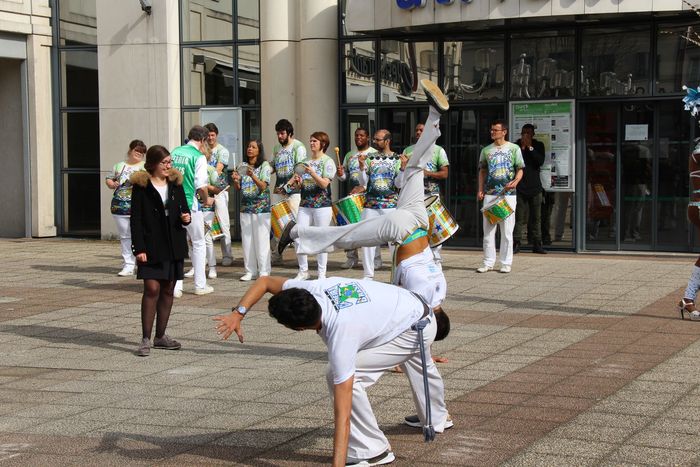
[{"x": 529, "y": 191}]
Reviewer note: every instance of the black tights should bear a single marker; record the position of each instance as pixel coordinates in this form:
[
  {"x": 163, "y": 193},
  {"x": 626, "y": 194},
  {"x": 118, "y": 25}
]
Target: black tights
[{"x": 157, "y": 302}]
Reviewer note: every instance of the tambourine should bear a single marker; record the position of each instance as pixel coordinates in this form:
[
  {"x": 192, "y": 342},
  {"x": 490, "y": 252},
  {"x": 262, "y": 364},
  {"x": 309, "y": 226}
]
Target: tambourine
[
  {"x": 300, "y": 168},
  {"x": 242, "y": 169}
]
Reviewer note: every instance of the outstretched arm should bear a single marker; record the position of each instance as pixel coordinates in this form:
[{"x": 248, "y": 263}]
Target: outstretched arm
[{"x": 232, "y": 323}]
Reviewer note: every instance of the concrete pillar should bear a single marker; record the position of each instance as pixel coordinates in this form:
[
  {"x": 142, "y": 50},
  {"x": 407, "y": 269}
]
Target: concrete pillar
[
  {"x": 40, "y": 110},
  {"x": 139, "y": 79},
  {"x": 279, "y": 67}
]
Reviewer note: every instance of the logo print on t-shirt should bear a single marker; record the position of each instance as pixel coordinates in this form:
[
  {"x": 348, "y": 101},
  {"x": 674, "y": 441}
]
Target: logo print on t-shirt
[{"x": 346, "y": 295}]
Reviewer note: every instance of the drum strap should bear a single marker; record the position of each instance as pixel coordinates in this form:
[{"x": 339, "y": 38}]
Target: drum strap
[{"x": 428, "y": 430}]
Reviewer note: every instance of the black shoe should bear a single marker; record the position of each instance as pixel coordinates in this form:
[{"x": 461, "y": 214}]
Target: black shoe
[
  {"x": 537, "y": 248},
  {"x": 285, "y": 238},
  {"x": 435, "y": 96},
  {"x": 387, "y": 457},
  {"x": 516, "y": 248},
  {"x": 547, "y": 241}
]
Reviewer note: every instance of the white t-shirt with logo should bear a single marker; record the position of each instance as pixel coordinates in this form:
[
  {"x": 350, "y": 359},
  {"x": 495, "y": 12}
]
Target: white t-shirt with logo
[{"x": 358, "y": 315}]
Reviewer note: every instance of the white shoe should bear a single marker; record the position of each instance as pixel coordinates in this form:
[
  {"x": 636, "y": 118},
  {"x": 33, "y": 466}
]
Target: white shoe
[
  {"x": 505, "y": 269},
  {"x": 368, "y": 278},
  {"x": 203, "y": 291},
  {"x": 190, "y": 273},
  {"x": 126, "y": 271},
  {"x": 246, "y": 277},
  {"x": 321, "y": 277},
  {"x": 227, "y": 261},
  {"x": 177, "y": 293},
  {"x": 264, "y": 274},
  {"x": 302, "y": 276},
  {"x": 349, "y": 263},
  {"x": 212, "y": 273},
  {"x": 484, "y": 269}
]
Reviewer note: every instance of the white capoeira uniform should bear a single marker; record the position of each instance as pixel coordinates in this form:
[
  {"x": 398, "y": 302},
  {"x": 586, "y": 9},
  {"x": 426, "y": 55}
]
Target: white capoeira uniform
[
  {"x": 423, "y": 275},
  {"x": 410, "y": 213},
  {"x": 364, "y": 344}
]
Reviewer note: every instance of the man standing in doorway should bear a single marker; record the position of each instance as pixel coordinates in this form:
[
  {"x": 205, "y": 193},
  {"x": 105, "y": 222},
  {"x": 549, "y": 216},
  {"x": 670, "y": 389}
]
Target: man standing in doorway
[
  {"x": 500, "y": 170},
  {"x": 436, "y": 170},
  {"x": 285, "y": 155},
  {"x": 220, "y": 160},
  {"x": 190, "y": 161},
  {"x": 529, "y": 191},
  {"x": 350, "y": 171}
]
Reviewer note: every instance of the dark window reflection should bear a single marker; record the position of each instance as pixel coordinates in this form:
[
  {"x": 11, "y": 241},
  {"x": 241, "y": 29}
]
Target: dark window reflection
[
  {"x": 678, "y": 59},
  {"x": 542, "y": 67},
  {"x": 81, "y": 204},
  {"x": 81, "y": 140},
  {"x": 79, "y": 80}
]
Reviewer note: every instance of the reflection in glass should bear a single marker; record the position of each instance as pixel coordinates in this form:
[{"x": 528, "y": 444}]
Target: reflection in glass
[
  {"x": 81, "y": 140},
  {"x": 248, "y": 20},
  {"x": 208, "y": 75},
  {"x": 248, "y": 75},
  {"x": 677, "y": 59},
  {"x": 78, "y": 22},
  {"x": 402, "y": 65},
  {"x": 674, "y": 149},
  {"x": 474, "y": 70},
  {"x": 79, "y": 78},
  {"x": 359, "y": 71},
  {"x": 402, "y": 124},
  {"x": 542, "y": 67},
  {"x": 81, "y": 203},
  {"x": 615, "y": 62},
  {"x": 204, "y": 20},
  {"x": 637, "y": 188}
]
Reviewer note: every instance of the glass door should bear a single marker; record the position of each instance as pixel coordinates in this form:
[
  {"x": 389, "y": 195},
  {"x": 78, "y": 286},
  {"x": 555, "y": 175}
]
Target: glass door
[{"x": 468, "y": 134}]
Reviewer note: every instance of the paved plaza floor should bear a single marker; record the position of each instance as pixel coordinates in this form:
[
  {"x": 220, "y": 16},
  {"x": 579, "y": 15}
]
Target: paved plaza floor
[{"x": 569, "y": 360}]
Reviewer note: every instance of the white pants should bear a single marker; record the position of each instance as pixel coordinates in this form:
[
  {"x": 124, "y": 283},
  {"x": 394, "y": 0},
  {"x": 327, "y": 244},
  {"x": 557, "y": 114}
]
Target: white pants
[
  {"x": 124, "y": 230},
  {"x": 395, "y": 226},
  {"x": 208, "y": 241},
  {"x": 294, "y": 201},
  {"x": 221, "y": 210},
  {"x": 319, "y": 217},
  {"x": 507, "y": 226},
  {"x": 195, "y": 232},
  {"x": 366, "y": 439},
  {"x": 255, "y": 237},
  {"x": 422, "y": 275},
  {"x": 370, "y": 253}
]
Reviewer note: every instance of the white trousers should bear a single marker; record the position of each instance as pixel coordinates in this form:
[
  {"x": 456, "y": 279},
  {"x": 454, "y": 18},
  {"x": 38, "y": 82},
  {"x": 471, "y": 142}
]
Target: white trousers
[
  {"x": 366, "y": 439},
  {"x": 507, "y": 225},
  {"x": 208, "y": 241},
  {"x": 221, "y": 210},
  {"x": 370, "y": 253},
  {"x": 124, "y": 230},
  {"x": 255, "y": 239},
  {"x": 422, "y": 275},
  {"x": 195, "y": 232},
  {"x": 319, "y": 217},
  {"x": 395, "y": 226},
  {"x": 294, "y": 201}
]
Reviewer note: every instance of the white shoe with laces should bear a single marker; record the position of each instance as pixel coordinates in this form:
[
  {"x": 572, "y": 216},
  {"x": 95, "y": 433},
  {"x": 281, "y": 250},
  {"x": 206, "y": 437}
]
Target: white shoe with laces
[
  {"x": 246, "y": 277},
  {"x": 302, "y": 276},
  {"x": 126, "y": 271},
  {"x": 505, "y": 269},
  {"x": 190, "y": 273},
  {"x": 212, "y": 273},
  {"x": 483, "y": 269},
  {"x": 207, "y": 289}
]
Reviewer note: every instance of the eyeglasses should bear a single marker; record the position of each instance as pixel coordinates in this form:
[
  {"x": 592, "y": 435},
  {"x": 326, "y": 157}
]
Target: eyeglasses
[
  {"x": 166, "y": 163},
  {"x": 377, "y": 140},
  {"x": 496, "y": 130}
]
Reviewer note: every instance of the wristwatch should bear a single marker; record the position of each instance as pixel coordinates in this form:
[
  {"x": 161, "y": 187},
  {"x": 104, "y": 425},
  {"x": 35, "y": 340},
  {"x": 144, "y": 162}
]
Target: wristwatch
[{"x": 241, "y": 309}]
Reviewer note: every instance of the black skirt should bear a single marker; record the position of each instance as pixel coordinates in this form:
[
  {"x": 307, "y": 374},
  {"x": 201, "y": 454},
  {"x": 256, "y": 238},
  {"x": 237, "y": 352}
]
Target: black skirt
[{"x": 163, "y": 271}]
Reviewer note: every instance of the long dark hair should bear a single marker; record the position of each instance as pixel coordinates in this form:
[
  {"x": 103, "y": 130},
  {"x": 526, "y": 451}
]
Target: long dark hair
[
  {"x": 261, "y": 152},
  {"x": 154, "y": 156}
]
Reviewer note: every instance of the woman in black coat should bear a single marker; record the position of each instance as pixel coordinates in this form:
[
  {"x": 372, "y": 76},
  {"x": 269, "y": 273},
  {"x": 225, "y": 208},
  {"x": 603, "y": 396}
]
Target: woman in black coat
[{"x": 159, "y": 242}]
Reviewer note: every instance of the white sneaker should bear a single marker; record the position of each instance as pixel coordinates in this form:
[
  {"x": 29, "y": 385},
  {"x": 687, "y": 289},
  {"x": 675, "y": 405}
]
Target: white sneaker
[
  {"x": 177, "y": 293},
  {"x": 212, "y": 273},
  {"x": 190, "y": 273},
  {"x": 227, "y": 261},
  {"x": 302, "y": 276},
  {"x": 368, "y": 278},
  {"x": 349, "y": 263},
  {"x": 246, "y": 277},
  {"x": 505, "y": 269},
  {"x": 126, "y": 271},
  {"x": 484, "y": 269},
  {"x": 203, "y": 291},
  {"x": 321, "y": 277}
]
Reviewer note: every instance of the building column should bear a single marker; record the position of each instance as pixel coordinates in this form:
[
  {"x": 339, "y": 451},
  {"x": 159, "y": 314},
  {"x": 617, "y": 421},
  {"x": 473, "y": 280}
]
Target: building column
[{"x": 138, "y": 58}]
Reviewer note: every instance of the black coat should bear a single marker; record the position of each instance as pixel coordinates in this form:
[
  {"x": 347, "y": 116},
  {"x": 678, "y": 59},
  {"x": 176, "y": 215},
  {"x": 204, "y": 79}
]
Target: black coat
[
  {"x": 530, "y": 184},
  {"x": 161, "y": 237}
]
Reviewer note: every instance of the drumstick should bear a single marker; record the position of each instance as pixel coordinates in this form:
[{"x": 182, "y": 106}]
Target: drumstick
[{"x": 337, "y": 154}]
